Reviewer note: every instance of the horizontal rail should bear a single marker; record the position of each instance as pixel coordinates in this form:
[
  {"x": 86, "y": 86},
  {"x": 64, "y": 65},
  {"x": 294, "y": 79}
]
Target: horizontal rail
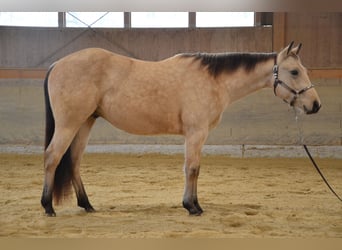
[
  {"x": 325, "y": 73},
  {"x": 22, "y": 73}
]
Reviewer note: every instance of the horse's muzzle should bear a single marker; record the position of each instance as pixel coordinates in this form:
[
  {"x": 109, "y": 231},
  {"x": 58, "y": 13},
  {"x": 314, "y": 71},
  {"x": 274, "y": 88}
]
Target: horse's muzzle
[{"x": 315, "y": 107}]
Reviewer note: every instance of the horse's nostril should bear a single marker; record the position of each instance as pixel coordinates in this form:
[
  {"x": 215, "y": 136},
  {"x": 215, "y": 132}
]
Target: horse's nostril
[{"x": 315, "y": 107}]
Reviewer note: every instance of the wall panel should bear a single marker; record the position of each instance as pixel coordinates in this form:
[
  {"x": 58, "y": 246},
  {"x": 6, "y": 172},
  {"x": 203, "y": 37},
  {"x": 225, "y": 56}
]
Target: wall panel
[
  {"x": 321, "y": 35},
  {"x": 38, "y": 48}
]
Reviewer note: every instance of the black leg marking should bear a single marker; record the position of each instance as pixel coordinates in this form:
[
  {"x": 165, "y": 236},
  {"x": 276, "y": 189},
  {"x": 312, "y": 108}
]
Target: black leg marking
[
  {"x": 82, "y": 201},
  {"x": 197, "y": 205},
  {"x": 46, "y": 202},
  {"x": 193, "y": 208}
]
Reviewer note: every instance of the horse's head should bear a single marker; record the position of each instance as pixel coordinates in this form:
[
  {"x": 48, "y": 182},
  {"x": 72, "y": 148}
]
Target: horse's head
[{"x": 292, "y": 83}]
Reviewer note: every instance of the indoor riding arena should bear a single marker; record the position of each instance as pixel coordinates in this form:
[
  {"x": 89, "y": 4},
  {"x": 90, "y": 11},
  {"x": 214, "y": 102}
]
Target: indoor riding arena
[{"x": 256, "y": 180}]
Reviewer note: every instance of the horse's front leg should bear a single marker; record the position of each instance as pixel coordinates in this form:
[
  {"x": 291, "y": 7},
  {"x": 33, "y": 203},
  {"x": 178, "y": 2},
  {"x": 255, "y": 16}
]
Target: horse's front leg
[{"x": 193, "y": 147}]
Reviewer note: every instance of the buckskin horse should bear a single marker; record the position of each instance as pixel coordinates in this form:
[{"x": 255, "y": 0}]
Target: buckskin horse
[{"x": 182, "y": 95}]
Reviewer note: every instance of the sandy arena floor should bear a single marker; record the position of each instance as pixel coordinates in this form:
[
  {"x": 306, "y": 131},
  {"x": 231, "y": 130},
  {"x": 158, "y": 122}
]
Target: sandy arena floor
[{"x": 139, "y": 196}]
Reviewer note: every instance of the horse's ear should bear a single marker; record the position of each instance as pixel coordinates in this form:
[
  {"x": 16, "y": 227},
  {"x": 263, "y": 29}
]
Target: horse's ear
[
  {"x": 298, "y": 48},
  {"x": 289, "y": 47},
  {"x": 285, "y": 52}
]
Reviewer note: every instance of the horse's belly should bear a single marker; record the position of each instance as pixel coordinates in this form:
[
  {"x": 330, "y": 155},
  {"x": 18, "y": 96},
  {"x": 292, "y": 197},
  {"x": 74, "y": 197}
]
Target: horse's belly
[{"x": 142, "y": 122}]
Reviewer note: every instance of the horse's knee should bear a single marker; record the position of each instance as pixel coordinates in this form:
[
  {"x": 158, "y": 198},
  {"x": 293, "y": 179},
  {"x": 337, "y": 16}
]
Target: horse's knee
[
  {"x": 192, "y": 170},
  {"x": 51, "y": 160}
]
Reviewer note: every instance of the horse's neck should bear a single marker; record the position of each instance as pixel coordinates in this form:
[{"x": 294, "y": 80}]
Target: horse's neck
[{"x": 242, "y": 83}]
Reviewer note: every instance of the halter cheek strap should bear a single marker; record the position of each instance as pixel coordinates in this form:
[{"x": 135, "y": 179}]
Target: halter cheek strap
[
  {"x": 277, "y": 82},
  {"x": 276, "y": 79}
]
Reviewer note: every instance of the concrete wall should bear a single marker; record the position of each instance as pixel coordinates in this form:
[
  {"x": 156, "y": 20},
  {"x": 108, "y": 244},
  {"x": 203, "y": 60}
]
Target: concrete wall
[{"x": 260, "y": 118}]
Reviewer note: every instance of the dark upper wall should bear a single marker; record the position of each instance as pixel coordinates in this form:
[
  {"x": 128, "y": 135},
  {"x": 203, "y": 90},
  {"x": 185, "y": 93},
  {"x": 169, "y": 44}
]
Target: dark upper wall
[
  {"x": 39, "y": 47},
  {"x": 320, "y": 34}
]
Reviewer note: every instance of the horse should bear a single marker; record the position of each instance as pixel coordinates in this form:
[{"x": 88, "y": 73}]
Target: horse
[{"x": 182, "y": 95}]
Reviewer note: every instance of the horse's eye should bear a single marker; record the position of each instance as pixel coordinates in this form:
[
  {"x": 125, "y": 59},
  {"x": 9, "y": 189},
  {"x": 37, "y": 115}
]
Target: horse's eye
[{"x": 294, "y": 72}]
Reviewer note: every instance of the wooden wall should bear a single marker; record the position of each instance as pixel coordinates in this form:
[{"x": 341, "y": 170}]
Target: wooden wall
[
  {"x": 261, "y": 118},
  {"x": 321, "y": 34},
  {"x": 39, "y": 47}
]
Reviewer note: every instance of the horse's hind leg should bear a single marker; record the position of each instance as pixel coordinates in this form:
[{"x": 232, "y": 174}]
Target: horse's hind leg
[
  {"x": 77, "y": 148},
  {"x": 53, "y": 155},
  {"x": 193, "y": 147}
]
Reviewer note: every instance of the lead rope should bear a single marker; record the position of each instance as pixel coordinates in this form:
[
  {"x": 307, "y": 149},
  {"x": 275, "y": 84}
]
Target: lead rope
[{"x": 301, "y": 142}]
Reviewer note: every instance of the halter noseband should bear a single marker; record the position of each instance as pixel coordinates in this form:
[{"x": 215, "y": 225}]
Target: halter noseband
[{"x": 277, "y": 82}]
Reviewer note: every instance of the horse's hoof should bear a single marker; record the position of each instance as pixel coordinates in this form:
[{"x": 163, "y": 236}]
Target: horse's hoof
[
  {"x": 49, "y": 211},
  {"x": 198, "y": 207},
  {"x": 194, "y": 210},
  {"x": 53, "y": 214},
  {"x": 90, "y": 210},
  {"x": 196, "y": 213}
]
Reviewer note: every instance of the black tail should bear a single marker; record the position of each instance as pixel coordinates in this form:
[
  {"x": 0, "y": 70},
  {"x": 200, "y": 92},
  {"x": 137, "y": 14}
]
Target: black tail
[{"x": 64, "y": 174}]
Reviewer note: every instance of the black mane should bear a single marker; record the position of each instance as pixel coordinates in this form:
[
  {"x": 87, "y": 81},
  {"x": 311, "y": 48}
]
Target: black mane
[{"x": 218, "y": 63}]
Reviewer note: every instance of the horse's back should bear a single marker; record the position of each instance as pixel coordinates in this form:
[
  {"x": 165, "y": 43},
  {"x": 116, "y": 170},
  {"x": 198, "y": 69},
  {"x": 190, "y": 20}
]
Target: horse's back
[{"x": 92, "y": 64}]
